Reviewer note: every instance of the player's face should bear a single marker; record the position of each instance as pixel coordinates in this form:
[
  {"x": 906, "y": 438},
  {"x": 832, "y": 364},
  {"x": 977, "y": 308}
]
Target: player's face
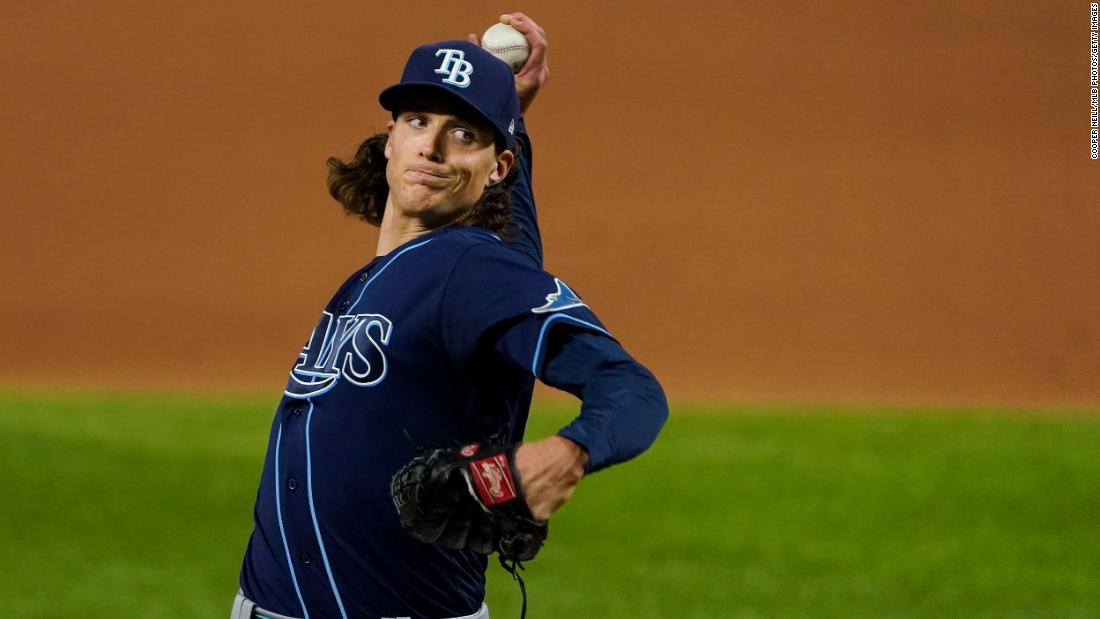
[{"x": 440, "y": 162}]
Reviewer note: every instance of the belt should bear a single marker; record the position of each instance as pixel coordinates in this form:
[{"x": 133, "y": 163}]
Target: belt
[
  {"x": 260, "y": 613},
  {"x": 244, "y": 608}
]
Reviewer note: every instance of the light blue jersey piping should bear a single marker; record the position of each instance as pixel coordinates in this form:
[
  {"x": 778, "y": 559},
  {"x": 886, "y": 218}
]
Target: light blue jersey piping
[
  {"x": 282, "y": 531},
  {"x": 546, "y": 326},
  {"x": 313, "y": 513},
  {"x": 309, "y": 467},
  {"x": 384, "y": 267}
]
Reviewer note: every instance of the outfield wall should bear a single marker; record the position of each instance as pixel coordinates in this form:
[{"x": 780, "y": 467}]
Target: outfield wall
[{"x": 765, "y": 201}]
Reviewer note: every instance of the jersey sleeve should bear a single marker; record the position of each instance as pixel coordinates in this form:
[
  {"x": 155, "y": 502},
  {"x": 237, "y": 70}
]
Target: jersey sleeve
[
  {"x": 623, "y": 407},
  {"x": 493, "y": 288},
  {"x": 524, "y": 222}
]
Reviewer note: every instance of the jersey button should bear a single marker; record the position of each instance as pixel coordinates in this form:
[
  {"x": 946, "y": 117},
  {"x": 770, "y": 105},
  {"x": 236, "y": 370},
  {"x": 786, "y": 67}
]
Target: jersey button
[
  {"x": 306, "y": 558},
  {"x": 363, "y": 277},
  {"x": 298, "y": 410},
  {"x": 292, "y": 484},
  {"x": 345, "y": 305}
]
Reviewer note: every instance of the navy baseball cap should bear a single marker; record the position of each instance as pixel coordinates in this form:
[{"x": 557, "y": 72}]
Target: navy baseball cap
[{"x": 462, "y": 70}]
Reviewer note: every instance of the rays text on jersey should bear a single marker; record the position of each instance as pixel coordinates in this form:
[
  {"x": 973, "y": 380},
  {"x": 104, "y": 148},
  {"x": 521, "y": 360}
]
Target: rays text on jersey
[{"x": 349, "y": 347}]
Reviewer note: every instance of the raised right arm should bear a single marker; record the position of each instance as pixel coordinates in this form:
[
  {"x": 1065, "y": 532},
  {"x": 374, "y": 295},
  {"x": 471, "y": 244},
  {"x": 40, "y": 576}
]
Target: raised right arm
[{"x": 524, "y": 221}]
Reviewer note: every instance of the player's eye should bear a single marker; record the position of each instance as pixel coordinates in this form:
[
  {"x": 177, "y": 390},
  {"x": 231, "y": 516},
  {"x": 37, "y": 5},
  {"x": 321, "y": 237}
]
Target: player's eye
[
  {"x": 417, "y": 121},
  {"x": 465, "y": 135}
]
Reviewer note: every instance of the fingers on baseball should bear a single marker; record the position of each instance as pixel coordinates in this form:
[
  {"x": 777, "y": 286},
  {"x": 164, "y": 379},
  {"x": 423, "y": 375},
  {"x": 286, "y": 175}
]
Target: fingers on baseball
[
  {"x": 536, "y": 36},
  {"x": 473, "y": 39}
]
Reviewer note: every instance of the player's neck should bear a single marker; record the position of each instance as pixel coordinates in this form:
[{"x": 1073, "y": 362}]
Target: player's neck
[{"x": 397, "y": 229}]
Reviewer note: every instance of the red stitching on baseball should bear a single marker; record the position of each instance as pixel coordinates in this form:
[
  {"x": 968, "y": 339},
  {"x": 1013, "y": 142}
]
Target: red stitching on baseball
[{"x": 506, "y": 48}]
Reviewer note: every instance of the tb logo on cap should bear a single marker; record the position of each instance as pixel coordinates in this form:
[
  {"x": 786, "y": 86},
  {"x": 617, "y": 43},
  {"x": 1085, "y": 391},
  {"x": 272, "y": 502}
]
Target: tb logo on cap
[{"x": 455, "y": 66}]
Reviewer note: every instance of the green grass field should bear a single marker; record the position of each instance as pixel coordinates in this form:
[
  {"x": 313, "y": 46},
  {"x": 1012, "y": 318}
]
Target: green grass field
[{"x": 140, "y": 506}]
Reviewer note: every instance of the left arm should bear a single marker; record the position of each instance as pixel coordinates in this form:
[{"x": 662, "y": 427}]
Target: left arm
[
  {"x": 497, "y": 302},
  {"x": 623, "y": 409}
]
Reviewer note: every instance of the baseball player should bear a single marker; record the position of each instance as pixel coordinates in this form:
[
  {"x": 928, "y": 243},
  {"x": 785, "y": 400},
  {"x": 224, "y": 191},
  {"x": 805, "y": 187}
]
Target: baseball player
[{"x": 435, "y": 344}]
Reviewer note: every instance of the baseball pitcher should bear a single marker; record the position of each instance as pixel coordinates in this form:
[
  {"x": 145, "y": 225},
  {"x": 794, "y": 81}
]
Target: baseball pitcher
[{"x": 395, "y": 463}]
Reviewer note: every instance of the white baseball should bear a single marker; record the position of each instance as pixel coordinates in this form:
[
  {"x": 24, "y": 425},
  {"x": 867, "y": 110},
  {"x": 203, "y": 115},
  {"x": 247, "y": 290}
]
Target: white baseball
[{"x": 508, "y": 44}]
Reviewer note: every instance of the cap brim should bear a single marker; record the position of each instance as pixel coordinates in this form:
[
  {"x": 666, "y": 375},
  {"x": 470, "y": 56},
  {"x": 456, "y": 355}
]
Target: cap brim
[{"x": 391, "y": 99}]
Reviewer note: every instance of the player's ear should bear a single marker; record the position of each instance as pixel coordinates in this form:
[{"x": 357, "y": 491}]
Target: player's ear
[
  {"x": 504, "y": 163},
  {"x": 389, "y": 130}
]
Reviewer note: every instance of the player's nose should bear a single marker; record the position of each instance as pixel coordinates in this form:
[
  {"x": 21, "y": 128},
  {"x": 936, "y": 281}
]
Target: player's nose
[{"x": 431, "y": 145}]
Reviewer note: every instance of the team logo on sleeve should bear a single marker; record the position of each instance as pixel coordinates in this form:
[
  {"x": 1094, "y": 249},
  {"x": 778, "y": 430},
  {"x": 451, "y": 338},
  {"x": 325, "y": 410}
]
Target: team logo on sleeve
[
  {"x": 349, "y": 347},
  {"x": 562, "y": 298}
]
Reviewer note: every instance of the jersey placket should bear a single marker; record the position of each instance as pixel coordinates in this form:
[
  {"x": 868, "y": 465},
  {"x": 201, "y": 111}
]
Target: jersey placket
[
  {"x": 299, "y": 529},
  {"x": 313, "y": 515},
  {"x": 303, "y": 542},
  {"x": 291, "y": 508}
]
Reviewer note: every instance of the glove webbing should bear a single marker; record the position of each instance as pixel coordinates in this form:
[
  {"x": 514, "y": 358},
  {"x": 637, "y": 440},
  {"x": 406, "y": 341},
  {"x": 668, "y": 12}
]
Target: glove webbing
[{"x": 514, "y": 570}]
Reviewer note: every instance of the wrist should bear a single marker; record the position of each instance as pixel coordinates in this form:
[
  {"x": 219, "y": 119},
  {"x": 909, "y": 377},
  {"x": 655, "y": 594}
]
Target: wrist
[{"x": 577, "y": 452}]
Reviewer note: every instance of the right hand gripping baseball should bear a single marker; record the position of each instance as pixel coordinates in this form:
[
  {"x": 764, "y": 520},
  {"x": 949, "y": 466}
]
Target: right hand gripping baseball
[
  {"x": 535, "y": 71},
  {"x": 468, "y": 498}
]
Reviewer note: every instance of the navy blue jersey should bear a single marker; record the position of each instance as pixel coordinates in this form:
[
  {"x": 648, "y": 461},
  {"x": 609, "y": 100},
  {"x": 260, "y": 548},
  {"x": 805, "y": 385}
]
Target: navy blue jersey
[
  {"x": 437, "y": 343},
  {"x": 407, "y": 353}
]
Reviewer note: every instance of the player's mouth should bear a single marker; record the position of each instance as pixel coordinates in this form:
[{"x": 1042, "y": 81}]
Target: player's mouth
[{"x": 427, "y": 177}]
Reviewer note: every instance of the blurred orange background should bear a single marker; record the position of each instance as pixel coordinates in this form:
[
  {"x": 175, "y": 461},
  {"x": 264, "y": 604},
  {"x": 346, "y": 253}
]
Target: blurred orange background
[{"x": 864, "y": 202}]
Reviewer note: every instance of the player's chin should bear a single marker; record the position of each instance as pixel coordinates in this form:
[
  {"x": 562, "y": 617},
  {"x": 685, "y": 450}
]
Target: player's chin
[
  {"x": 420, "y": 197},
  {"x": 430, "y": 209}
]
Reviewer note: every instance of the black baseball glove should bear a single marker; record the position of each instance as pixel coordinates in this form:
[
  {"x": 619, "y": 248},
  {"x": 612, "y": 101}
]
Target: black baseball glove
[{"x": 468, "y": 498}]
